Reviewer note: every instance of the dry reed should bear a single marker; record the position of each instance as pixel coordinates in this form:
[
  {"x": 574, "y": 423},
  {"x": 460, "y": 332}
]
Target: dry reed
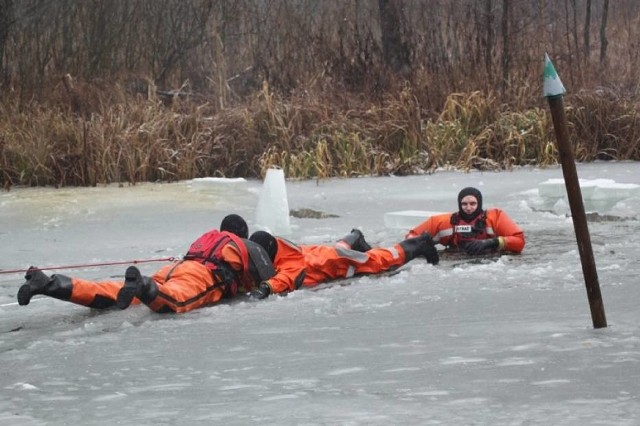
[{"x": 309, "y": 135}]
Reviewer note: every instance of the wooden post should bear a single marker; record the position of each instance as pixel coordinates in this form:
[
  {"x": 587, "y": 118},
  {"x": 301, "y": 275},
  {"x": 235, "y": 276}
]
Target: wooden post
[{"x": 554, "y": 91}]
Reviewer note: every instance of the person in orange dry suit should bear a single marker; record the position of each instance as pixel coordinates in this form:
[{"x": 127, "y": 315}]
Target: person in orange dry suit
[
  {"x": 310, "y": 265},
  {"x": 218, "y": 265},
  {"x": 472, "y": 229}
]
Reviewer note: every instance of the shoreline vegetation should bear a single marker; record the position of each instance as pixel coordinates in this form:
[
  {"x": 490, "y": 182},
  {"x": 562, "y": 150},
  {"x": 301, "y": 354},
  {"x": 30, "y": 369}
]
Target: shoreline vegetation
[
  {"x": 319, "y": 89},
  {"x": 309, "y": 137}
]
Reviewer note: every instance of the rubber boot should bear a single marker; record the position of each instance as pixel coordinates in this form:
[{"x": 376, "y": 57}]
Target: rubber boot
[
  {"x": 136, "y": 285},
  {"x": 356, "y": 241},
  {"x": 420, "y": 246},
  {"x": 56, "y": 286}
]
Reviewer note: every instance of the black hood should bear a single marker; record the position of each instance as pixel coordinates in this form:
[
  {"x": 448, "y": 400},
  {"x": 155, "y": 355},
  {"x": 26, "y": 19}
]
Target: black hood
[
  {"x": 469, "y": 191},
  {"x": 236, "y": 225},
  {"x": 267, "y": 241}
]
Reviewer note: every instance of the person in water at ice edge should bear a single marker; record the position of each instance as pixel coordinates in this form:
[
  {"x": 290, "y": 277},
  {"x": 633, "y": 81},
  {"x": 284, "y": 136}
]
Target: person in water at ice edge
[
  {"x": 219, "y": 264},
  {"x": 472, "y": 229},
  {"x": 310, "y": 265}
]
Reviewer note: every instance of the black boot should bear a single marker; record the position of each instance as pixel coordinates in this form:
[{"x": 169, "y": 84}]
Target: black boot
[
  {"x": 57, "y": 286},
  {"x": 356, "y": 240},
  {"x": 420, "y": 246},
  {"x": 136, "y": 285}
]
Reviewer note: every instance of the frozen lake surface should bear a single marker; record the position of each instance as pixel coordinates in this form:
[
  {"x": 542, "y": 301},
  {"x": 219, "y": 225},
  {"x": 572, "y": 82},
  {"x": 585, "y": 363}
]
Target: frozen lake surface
[{"x": 506, "y": 342}]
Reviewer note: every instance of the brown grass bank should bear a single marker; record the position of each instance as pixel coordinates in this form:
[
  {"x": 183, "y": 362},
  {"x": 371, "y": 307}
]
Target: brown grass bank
[{"x": 128, "y": 139}]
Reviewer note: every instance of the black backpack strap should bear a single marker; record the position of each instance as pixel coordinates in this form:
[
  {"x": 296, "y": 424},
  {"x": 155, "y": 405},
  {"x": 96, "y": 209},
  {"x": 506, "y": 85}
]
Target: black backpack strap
[
  {"x": 224, "y": 276},
  {"x": 300, "y": 279},
  {"x": 260, "y": 266}
]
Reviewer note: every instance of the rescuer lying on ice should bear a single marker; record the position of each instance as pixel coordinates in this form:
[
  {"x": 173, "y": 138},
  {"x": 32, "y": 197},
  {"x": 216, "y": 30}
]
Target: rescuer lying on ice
[
  {"x": 310, "y": 265},
  {"x": 219, "y": 264}
]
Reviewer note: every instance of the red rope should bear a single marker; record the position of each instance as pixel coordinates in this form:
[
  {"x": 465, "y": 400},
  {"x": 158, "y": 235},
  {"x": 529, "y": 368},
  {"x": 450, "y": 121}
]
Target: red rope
[{"x": 89, "y": 265}]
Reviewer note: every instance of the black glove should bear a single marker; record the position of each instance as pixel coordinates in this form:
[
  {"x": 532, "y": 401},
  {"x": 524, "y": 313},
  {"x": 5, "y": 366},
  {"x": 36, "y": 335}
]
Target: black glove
[
  {"x": 263, "y": 291},
  {"x": 479, "y": 246},
  {"x": 431, "y": 253}
]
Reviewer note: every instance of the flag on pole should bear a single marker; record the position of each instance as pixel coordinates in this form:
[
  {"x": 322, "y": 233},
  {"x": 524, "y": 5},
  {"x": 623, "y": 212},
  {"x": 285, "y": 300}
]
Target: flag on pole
[{"x": 552, "y": 84}]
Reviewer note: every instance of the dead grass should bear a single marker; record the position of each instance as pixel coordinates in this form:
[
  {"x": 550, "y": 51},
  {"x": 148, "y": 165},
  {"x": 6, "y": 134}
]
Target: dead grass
[{"x": 129, "y": 139}]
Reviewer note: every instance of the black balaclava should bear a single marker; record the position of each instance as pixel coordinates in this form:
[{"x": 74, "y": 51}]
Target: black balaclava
[
  {"x": 469, "y": 191},
  {"x": 267, "y": 241},
  {"x": 236, "y": 225}
]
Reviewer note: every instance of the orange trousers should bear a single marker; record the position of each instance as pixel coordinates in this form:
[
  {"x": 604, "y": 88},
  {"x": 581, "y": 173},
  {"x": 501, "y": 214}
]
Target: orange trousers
[
  {"x": 325, "y": 263},
  {"x": 182, "y": 287}
]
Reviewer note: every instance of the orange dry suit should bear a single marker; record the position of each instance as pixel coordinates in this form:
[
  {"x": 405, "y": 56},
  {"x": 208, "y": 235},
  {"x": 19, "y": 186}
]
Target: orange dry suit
[
  {"x": 452, "y": 231},
  {"x": 289, "y": 263},
  {"x": 201, "y": 279},
  {"x": 315, "y": 264}
]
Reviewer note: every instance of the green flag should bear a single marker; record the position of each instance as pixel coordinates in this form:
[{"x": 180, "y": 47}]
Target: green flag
[{"x": 552, "y": 84}]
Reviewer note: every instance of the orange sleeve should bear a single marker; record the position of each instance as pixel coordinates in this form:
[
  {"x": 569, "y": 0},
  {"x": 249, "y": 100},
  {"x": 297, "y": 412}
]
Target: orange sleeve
[
  {"x": 414, "y": 232},
  {"x": 508, "y": 232},
  {"x": 289, "y": 264},
  {"x": 437, "y": 226}
]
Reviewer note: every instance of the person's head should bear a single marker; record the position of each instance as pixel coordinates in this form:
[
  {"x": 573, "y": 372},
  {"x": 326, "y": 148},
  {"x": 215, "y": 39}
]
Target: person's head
[
  {"x": 469, "y": 203},
  {"x": 236, "y": 225},
  {"x": 267, "y": 241}
]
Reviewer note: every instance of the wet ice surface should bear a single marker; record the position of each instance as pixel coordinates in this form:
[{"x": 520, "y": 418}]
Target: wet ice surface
[{"x": 508, "y": 342}]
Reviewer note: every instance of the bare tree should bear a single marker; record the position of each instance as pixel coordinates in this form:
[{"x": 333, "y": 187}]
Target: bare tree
[
  {"x": 489, "y": 37},
  {"x": 574, "y": 25},
  {"x": 6, "y": 21},
  {"x": 506, "y": 54},
  {"x": 395, "y": 48},
  {"x": 603, "y": 33},
  {"x": 570, "y": 29},
  {"x": 587, "y": 32},
  {"x": 229, "y": 47}
]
